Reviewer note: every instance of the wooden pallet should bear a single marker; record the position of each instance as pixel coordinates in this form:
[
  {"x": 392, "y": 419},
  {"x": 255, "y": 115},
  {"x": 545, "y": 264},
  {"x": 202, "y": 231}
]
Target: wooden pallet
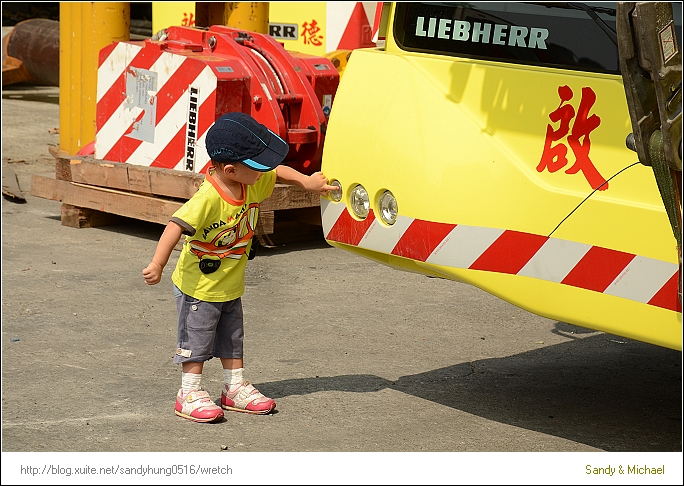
[{"x": 97, "y": 193}]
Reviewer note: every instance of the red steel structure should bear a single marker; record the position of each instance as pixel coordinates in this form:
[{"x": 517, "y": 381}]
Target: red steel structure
[{"x": 156, "y": 99}]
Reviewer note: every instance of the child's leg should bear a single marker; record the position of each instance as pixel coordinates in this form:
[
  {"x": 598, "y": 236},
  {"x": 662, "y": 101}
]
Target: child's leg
[
  {"x": 232, "y": 363},
  {"x": 238, "y": 394},
  {"x": 232, "y": 371},
  {"x": 197, "y": 322},
  {"x": 193, "y": 367},
  {"x": 191, "y": 376}
]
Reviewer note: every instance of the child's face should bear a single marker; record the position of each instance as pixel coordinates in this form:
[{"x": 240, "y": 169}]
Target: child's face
[{"x": 244, "y": 174}]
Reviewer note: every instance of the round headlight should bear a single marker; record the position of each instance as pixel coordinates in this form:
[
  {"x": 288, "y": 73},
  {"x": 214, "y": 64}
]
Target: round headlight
[
  {"x": 336, "y": 195},
  {"x": 359, "y": 202},
  {"x": 388, "y": 207}
]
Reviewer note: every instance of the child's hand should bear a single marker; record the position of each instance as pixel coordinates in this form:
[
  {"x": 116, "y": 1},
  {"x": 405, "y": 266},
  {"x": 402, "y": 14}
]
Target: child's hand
[
  {"x": 152, "y": 273},
  {"x": 317, "y": 182}
]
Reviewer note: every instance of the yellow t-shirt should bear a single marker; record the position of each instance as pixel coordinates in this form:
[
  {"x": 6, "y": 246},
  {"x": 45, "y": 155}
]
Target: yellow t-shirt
[{"x": 218, "y": 228}]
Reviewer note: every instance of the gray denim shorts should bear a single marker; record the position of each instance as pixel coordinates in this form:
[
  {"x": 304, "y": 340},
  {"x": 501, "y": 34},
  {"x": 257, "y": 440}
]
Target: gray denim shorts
[{"x": 208, "y": 329}]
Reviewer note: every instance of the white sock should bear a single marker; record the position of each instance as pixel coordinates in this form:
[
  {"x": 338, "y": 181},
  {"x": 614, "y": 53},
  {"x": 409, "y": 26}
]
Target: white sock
[
  {"x": 191, "y": 381},
  {"x": 232, "y": 377}
]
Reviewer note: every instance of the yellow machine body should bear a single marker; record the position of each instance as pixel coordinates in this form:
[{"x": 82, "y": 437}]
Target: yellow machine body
[{"x": 496, "y": 185}]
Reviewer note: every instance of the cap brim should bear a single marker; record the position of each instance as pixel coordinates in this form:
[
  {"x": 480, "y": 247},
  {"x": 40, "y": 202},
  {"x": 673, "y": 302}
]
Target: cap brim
[{"x": 271, "y": 157}]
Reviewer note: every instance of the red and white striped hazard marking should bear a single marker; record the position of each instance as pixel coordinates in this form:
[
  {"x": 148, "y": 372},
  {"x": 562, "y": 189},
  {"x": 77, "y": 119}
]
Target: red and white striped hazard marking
[
  {"x": 612, "y": 272},
  {"x": 377, "y": 37},
  {"x": 153, "y": 108},
  {"x": 348, "y": 25}
]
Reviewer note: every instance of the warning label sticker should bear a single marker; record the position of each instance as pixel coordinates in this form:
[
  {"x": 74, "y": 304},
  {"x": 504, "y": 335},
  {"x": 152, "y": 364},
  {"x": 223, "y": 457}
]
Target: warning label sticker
[{"x": 668, "y": 43}]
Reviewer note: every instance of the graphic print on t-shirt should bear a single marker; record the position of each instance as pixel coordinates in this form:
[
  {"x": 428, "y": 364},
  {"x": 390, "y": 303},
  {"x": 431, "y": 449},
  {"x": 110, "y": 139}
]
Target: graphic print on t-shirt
[{"x": 231, "y": 242}]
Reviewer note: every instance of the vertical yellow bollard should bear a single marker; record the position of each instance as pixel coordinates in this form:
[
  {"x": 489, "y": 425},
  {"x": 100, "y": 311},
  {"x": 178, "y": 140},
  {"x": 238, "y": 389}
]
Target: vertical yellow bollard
[
  {"x": 85, "y": 28},
  {"x": 250, "y": 16},
  {"x": 166, "y": 14}
]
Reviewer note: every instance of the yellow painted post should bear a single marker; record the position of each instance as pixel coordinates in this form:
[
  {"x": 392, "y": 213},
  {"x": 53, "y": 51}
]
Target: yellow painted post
[
  {"x": 167, "y": 14},
  {"x": 250, "y": 16},
  {"x": 85, "y": 28}
]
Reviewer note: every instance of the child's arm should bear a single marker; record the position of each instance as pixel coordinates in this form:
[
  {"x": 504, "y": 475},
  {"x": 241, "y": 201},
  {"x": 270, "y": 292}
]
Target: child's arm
[
  {"x": 153, "y": 272},
  {"x": 316, "y": 182}
]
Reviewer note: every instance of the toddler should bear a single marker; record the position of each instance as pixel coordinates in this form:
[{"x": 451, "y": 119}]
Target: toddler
[{"x": 209, "y": 278}]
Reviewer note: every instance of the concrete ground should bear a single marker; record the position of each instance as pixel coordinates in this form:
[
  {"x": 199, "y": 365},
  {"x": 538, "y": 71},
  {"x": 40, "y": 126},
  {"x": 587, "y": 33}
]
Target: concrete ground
[{"x": 359, "y": 358}]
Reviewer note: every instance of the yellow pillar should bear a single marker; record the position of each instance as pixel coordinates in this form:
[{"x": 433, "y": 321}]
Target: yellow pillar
[
  {"x": 85, "y": 28},
  {"x": 251, "y": 16},
  {"x": 167, "y": 14}
]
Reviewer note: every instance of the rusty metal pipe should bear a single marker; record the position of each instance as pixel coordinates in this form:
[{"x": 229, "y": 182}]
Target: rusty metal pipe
[{"x": 35, "y": 42}]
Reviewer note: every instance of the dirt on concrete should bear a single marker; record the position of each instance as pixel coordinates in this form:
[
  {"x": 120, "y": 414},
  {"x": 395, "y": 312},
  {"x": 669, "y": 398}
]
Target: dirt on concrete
[{"x": 358, "y": 356}]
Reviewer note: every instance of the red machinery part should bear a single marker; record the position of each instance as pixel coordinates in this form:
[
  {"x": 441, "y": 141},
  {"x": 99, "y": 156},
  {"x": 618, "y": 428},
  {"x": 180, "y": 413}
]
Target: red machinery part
[{"x": 156, "y": 99}]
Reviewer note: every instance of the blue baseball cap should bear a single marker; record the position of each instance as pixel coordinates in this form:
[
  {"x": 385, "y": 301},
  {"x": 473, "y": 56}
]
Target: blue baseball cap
[{"x": 237, "y": 137}]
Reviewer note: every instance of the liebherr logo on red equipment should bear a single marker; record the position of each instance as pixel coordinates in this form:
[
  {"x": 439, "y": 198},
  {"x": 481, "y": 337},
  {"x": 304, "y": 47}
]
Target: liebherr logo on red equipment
[{"x": 191, "y": 135}]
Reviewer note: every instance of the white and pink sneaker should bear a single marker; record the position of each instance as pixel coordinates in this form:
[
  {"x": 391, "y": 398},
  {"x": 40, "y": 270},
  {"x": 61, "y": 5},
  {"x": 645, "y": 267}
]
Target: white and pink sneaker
[
  {"x": 245, "y": 398},
  {"x": 197, "y": 406}
]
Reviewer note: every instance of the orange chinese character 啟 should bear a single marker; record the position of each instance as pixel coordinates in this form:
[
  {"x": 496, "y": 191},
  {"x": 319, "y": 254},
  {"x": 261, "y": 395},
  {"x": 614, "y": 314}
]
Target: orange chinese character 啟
[{"x": 554, "y": 157}]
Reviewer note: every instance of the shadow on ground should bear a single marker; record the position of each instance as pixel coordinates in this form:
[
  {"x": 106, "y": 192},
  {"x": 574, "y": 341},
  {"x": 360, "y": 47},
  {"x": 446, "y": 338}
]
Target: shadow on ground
[
  {"x": 26, "y": 92},
  {"x": 620, "y": 401}
]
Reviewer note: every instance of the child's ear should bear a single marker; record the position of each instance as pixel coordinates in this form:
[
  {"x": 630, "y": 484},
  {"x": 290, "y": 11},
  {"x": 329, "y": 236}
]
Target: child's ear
[{"x": 228, "y": 169}]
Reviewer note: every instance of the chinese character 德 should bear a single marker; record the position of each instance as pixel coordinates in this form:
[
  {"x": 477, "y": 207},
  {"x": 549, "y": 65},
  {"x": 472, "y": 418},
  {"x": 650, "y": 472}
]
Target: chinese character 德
[
  {"x": 310, "y": 33},
  {"x": 554, "y": 158}
]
